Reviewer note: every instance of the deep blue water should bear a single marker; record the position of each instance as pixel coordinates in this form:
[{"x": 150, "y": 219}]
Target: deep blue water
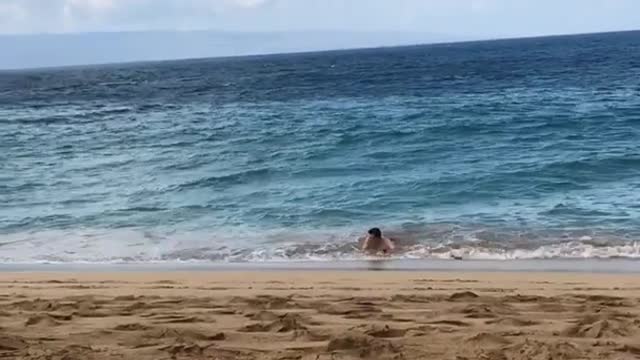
[{"x": 503, "y": 149}]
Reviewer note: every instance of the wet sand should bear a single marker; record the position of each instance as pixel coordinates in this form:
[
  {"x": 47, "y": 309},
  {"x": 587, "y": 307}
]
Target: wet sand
[{"x": 319, "y": 315}]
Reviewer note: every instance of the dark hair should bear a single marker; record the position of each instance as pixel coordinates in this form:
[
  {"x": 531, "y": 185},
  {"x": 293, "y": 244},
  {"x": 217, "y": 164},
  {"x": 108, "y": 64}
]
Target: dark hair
[{"x": 375, "y": 232}]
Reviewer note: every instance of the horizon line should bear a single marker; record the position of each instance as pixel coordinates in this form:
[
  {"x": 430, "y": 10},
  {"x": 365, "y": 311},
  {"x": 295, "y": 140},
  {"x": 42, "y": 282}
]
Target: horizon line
[{"x": 302, "y": 52}]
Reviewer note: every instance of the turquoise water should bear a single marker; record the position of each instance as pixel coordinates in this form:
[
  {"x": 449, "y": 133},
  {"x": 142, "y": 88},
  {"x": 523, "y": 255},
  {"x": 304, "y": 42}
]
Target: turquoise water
[{"x": 505, "y": 149}]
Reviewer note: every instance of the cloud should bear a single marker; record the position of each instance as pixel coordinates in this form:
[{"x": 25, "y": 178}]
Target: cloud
[
  {"x": 248, "y": 3},
  {"x": 11, "y": 12},
  {"x": 475, "y": 18},
  {"x": 92, "y": 5},
  {"x": 36, "y": 16}
]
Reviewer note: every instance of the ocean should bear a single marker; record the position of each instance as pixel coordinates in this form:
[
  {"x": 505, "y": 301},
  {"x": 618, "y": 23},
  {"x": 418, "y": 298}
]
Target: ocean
[{"x": 510, "y": 149}]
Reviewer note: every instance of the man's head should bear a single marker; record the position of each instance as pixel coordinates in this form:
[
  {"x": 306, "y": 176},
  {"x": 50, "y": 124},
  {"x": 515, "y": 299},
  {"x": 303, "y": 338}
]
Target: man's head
[{"x": 375, "y": 232}]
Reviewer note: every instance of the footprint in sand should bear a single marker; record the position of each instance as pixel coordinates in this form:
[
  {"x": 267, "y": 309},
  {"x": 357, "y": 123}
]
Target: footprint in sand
[
  {"x": 512, "y": 321},
  {"x": 485, "y": 311},
  {"x": 378, "y": 331},
  {"x": 456, "y": 323},
  {"x": 284, "y": 323},
  {"x": 602, "y": 326},
  {"x": 178, "y": 319},
  {"x": 465, "y": 295},
  {"x": 131, "y": 327},
  {"x": 349, "y": 311},
  {"x": 485, "y": 340},
  {"x": 362, "y": 345},
  {"x": 262, "y": 316},
  {"x": 42, "y": 320},
  {"x": 12, "y": 343}
]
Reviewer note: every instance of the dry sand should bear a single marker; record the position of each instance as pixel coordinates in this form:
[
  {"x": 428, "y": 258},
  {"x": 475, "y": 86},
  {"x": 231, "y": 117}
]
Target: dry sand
[{"x": 319, "y": 315}]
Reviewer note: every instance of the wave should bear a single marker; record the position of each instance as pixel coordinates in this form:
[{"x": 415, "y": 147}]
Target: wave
[
  {"x": 347, "y": 252},
  {"x": 76, "y": 116},
  {"x": 571, "y": 250},
  {"x": 240, "y": 177},
  {"x": 134, "y": 246}
]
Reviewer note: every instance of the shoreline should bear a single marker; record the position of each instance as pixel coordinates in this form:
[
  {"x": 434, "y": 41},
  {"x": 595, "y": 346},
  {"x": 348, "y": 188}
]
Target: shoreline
[{"x": 613, "y": 266}]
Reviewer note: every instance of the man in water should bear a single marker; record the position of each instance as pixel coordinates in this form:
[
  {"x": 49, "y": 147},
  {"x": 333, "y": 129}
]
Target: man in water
[{"x": 375, "y": 243}]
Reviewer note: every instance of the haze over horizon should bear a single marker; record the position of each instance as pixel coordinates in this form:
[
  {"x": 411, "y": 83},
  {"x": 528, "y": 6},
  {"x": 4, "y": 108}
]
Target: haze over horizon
[{"x": 45, "y": 33}]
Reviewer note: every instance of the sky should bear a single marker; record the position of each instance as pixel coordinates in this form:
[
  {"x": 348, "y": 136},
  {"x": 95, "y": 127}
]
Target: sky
[
  {"x": 335, "y": 23},
  {"x": 467, "y": 18}
]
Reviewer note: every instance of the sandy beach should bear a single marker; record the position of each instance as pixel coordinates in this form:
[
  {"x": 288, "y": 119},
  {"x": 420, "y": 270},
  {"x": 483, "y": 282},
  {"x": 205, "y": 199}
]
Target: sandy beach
[{"x": 319, "y": 315}]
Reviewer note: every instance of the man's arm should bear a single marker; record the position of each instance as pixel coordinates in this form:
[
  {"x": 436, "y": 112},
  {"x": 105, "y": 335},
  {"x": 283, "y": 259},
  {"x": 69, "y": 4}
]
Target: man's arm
[
  {"x": 365, "y": 243},
  {"x": 389, "y": 243}
]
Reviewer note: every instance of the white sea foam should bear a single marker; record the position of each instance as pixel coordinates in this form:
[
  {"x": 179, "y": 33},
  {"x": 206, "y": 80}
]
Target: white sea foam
[{"x": 131, "y": 246}]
